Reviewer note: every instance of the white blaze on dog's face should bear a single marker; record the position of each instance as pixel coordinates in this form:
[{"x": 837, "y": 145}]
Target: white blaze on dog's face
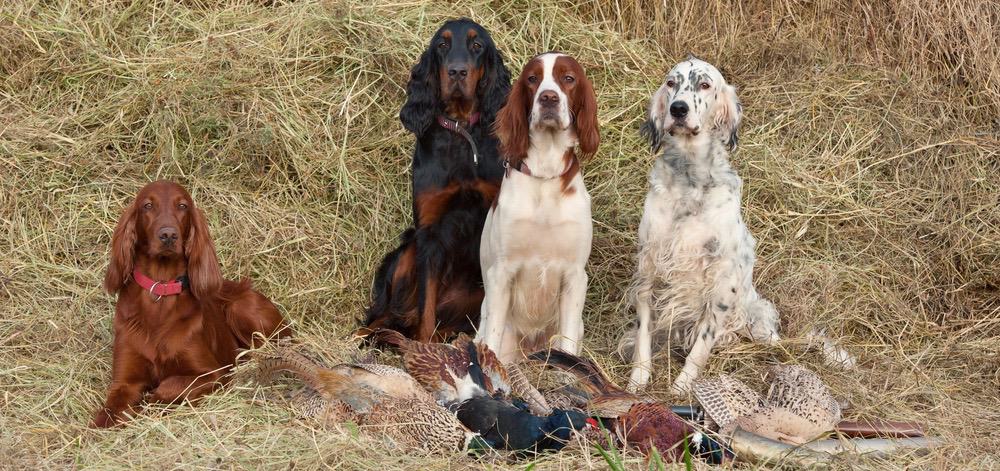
[
  {"x": 694, "y": 98},
  {"x": 551, "y": 78},
  {"x": 551, "y": 96}
]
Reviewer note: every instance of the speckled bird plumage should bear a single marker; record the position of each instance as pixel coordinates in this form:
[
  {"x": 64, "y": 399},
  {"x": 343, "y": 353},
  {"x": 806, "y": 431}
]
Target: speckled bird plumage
[
  {"x": 799, "y": 407},
  {"x": 381, "y": 399},
  {"x": 566, "y": 397},
  {"x": 441, "y": 367}
]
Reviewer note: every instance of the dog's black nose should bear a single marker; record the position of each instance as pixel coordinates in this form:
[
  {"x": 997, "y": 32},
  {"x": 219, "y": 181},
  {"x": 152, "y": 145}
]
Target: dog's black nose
[
  {"x": 549, "y": 97},
  {"x": 678, "y": 109},
  {"x": 458, "y": 72},
  {"x": 167, "y": 235}
]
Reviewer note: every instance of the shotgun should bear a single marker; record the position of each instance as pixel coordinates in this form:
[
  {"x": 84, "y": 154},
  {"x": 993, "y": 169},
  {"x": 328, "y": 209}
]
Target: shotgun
[{"x": 867, "y": 428}]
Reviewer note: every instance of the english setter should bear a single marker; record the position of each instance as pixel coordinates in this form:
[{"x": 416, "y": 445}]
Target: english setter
[
  {"x": 537, "y": 237},
  {"x": 693, "y": 284}
]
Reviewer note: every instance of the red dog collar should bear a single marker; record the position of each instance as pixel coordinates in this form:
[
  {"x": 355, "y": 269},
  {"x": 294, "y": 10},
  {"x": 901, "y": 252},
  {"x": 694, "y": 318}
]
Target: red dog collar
[
  {"x": 160, "y": 288},
  {"x": 453, "y": 124}
]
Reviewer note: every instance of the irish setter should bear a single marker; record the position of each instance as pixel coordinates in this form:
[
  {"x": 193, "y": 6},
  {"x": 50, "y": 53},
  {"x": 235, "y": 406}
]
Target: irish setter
[
  {"x": 431, "y": 285},
  {"x": 178, "y": 324}
]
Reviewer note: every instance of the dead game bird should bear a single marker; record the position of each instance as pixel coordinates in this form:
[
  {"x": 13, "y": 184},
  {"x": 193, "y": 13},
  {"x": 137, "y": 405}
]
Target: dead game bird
[
  {"x": 381, "y": 399},
  {"x": 638, "y": 422},
  {"x": 443, "y": 368},
  {"x": 798, "y": 408},
  {"x": 505, "y": 426}
]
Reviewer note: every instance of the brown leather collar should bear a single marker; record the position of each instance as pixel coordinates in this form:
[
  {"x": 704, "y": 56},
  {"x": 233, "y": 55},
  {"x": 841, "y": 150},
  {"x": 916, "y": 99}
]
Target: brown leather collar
[
  {"x": 523, "y": 168},
  {"x": 456, "y": 127}
]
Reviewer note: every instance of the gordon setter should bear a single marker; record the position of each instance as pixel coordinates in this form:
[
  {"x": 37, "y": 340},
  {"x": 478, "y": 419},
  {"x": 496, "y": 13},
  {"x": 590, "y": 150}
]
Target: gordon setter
[{"x": 431, "y": 285}]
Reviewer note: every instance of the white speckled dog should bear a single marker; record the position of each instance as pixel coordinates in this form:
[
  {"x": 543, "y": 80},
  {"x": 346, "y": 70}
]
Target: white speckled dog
[{"x": 693, "y": 284}]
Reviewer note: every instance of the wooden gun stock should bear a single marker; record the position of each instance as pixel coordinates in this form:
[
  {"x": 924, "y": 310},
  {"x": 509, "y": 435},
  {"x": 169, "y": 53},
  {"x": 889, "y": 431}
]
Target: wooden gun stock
[{"x": 878, "y": 428}]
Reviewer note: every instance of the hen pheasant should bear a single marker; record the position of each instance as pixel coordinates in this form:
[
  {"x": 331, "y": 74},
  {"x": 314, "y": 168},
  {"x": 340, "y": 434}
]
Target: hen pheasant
[
  {"x": 380, "y": 398},
  {"x": 635, "y": 421},
  {"x": 443, "y": 369},
  {"x": 798, "y": 408}
]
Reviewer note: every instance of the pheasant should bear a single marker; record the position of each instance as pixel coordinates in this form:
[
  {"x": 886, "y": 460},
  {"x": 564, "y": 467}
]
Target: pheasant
[
  {"x": 635, "y": 421},
  {"x": 443, "y": 368},
  {"x": 379, "y": 398},
  {"x": 566, "y": 397},
  {"x": 505, "y": 426},
  {"x": 798, "y": 408}
]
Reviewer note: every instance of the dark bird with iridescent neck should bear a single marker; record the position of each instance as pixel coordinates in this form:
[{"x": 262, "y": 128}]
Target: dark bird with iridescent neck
[
  {"x": 505, "y": 426},
  {"x": 636, "y": 421}
]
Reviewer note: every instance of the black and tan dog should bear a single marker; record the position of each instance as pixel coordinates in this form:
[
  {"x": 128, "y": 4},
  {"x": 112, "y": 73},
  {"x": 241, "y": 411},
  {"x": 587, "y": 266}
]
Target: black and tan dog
[{"x": 431, "y": 285}]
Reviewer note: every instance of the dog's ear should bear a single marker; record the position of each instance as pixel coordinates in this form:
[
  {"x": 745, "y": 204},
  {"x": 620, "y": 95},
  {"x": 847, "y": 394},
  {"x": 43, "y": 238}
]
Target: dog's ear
[
  {"x": 494, "y": 86},
  {"x": 652, "y": 129},
  {"x": 585, "y": 110},
  {"x": 421, "y": 93},
  {"x": 511, "y": 126},
  {"x": 122, "y": 250},
  {"x": 728, "y": 114},
  {"x": 204, "y": 275}
]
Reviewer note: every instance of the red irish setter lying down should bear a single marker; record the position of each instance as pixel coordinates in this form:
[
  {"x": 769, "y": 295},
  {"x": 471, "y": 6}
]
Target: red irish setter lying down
[{"x": 178, "y": 325}]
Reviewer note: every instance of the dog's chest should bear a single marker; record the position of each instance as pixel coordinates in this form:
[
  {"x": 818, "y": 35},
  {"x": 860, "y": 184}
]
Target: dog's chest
[
  {"x": 161, "y": 330},
  {"x": 692, "y": 208},
  {"x": 544, "y": 221}
]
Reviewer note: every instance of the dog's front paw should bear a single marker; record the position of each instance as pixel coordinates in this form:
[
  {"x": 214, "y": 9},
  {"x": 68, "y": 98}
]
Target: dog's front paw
[
  {"x": 103, "y": 419},
  {"x": 682, "y": 385},
  {"x": 638, "y": 380}
]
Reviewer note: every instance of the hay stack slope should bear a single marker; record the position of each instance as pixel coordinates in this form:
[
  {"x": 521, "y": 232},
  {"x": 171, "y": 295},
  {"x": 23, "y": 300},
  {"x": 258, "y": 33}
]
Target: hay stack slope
[{"x": 870, "y": 153}]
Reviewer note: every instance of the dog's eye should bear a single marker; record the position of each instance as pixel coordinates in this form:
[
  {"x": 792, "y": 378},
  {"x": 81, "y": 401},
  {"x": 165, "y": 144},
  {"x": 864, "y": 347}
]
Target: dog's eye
[
  {"x": 476, "y": 46},
  {"x": 182, "y": 206},
  {"x": 671, "y": 83},
  {"x": 148, "y": 206},
  {"x": 705, "y": 85},
  {"x": 443, "y": 45},
  {"x": 569, "y": 79},
  {"x": 532, "y": 79}
]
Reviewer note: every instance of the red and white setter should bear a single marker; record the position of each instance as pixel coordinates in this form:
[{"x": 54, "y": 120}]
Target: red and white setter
[
  {"x": 178, "y": 324},
  {"x": 537, "y": 236}
]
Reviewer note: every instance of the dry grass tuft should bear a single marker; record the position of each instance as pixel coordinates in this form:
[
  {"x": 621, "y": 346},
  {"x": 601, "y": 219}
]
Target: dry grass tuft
[{"x": 870, "y": 156}]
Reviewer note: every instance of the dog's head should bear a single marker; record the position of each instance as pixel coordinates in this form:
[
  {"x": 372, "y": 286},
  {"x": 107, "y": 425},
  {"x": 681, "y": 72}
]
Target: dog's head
[
  {"x": 693, "y": 99},
  {"x": 162, "y": 223},
  {"x": 552, "y": 95},
  {"x": 459, "y": 73}
]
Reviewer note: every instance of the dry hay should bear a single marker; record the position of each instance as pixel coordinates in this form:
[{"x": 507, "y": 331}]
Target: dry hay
[{"x": 870, "y": 154}]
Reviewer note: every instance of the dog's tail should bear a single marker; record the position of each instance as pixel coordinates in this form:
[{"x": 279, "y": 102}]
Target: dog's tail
[
  {"x": 626, "y": 344},
  {"x": 833, "y": 353},
  {"x": 763, "y": 322},
  {"x": 380, "y": 309}
]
